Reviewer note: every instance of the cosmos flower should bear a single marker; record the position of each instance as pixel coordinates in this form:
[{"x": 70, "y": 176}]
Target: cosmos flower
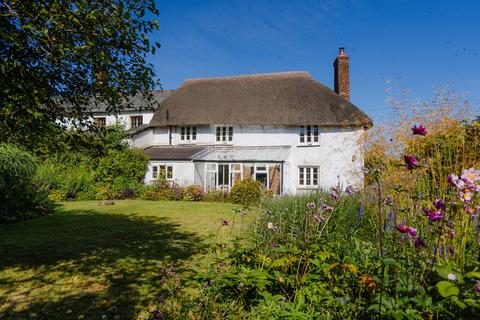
[
  {"x": 470, "y": 175},
  {"x": 311, "y": 205},
  {"x": 410, "y": 162},
  {"x": 334, "y": 195},
  {"x": 408, "y": 230},
  {"x": 455, "y": 181},
  {"x": 452, "y": 233},
  {"x": 473, "y": 211},
  {"x": 420, "y": 130},
  {"x": 318, "y": 218},
  {"x": 433, "y": 215},
  {"x": 466, "y": 195}
]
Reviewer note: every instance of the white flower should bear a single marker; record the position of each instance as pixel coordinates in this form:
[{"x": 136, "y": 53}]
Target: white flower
[
  {"x": 270, "y": 225},
  {"x": 452, "y": 277}
]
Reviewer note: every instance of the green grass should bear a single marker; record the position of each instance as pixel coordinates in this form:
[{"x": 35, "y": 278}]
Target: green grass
[{"x": 96, "y": 260}]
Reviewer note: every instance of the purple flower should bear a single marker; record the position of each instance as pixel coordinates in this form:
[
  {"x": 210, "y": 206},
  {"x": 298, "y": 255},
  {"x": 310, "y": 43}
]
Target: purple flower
[
  {"x": 477, "y": 287},
  {"x": 420, "y": 130},
  {"x": 325, "y": 207},
  {"x": 409, "y": 230},
  {"x": 334, "y": 195},
  {"x": 410, "y": 162},
  {"x": 311, "y": 206},
  {"x": 224, "y": 222},
  {"x": 470, "y": 176},
  {"x": 318, "y": 218},
  {"x": 455, "y": 181},
  {"x": 473, "y": 211},
  {"x": 419, "y": 242},
  {"x": 452, "y": 233},
  {"x": 433, "y": 215},
  {"x": 391, "y": 219},
  {"x": 465, "y": 195},
  {"x": 349, "y": 190},
  {"x": 272, "y": 245},
  {"x": 439, "y": 204}
]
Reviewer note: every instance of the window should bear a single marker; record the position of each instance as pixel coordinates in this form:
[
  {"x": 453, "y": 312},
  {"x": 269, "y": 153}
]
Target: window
[
  {"x": 136, "y": 121},
  {"x": 261, "y": 174},
  {"x": 308, "y": 176},
  {"x": 100, "y": 122},
  {"x": 165, "y": 171},
  {"x": 309, "y": 135},
  {"x": 224, "y": 134},
  {"x": 188, "y": 134}
]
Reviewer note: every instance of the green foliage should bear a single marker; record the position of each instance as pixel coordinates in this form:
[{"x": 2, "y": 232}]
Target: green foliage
[
  {"x": 57, "y": 55},
  {"x": 246, "y": 192},
  {"x": 20, "y": 198},
  {"x": 129, "y": 164}
]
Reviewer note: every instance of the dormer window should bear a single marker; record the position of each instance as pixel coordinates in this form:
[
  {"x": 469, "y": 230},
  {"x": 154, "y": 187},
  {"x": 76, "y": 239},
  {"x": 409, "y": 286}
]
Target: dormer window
[
  {"x": 136, "y": 121},
  {"x": 309, "y": 135},
  {"x": 188, "y": 134},
  {"x": 100, "y": 122},
  {"x": 224, "y": 134}
]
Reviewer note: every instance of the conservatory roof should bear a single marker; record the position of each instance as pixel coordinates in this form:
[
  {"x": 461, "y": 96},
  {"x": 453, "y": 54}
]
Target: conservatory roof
[{"x": 244, "y": 154}]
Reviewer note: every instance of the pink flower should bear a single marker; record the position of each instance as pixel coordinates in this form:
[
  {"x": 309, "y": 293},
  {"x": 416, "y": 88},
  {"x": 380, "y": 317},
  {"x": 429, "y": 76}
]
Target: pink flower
[
  {"x": 318, "y": 218},
  {"x": 420, "y": 130},
  {"x": 466, "y": 195},
  {"x": 477, "y": 287},
  {"x": 325, "y": 207},
  {"x": 272, "y": 245},
  {"x": 452, "y": 234},
  {"x": 224, "y": 222},
  {"x": 473, "y": 211},
  {"x": 349, "y": 190},
  {"x": 335, "y": 195},
  {"x": 433, "y": 215},
  {"x": 470, "y": 175},
  {"x": 455, "y": 181},
  {"x": 311, "y": 205},
  {"x": 409, "y": 230},
  {"x": 419, "y": 242},
  {"x": 243, "y": 213},
  {"x": 410, "y": 162}
]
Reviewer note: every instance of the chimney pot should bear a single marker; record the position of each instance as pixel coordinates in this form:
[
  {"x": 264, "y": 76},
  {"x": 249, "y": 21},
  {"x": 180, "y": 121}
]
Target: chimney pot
[{"x": 342, "y": 74}]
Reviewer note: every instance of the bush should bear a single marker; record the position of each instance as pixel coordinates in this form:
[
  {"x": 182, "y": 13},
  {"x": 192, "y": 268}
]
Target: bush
[
  {"x": 20, "y": 198},
  {"x": 193, "y": 193},
  {"x": 246, "y": 192},
  {"x": 148, "y": 192},
  {"x": 129, "y": 164}
]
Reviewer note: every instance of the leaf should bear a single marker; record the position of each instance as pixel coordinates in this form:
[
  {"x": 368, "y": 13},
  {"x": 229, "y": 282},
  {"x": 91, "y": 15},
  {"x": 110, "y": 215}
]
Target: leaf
[
  {"x": 473, "y": 274},
  {"x": 447, "y": 289}
]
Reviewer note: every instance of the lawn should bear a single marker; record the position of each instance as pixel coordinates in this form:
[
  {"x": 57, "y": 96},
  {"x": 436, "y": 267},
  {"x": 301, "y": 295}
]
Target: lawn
[{"x": 87, "y": 260}]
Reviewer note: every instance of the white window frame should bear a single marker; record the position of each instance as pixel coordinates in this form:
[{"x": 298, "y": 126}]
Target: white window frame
[
  {"x": 157, "y": 169},
  {"x": 307, "y": 176},
  {"x": 257, "y": 170},
  {"x": 223, "y": 134},
  {"x": 309, "y": 135},
  {"x": 188, "y": 134}
]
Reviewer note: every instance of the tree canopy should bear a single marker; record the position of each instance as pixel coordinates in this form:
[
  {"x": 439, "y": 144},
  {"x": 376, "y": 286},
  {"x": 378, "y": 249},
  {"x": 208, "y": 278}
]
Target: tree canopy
[{"x": 58, "y": 55}]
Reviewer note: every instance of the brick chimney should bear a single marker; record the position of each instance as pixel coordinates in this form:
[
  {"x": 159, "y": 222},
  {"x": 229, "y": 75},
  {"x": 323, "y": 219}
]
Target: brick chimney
[{"x": 342, "y": 74}]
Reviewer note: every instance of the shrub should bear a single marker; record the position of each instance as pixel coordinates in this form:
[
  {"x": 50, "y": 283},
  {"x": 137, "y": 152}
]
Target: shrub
[
  {"x": 193, "y": 193},
  {"x": 129, "y": 164},
  {"x": 246, "y": 192},
  {"x": 148, "y": 192},
  {"x": 20, "y": 198},
  {"x": 103, "y": 192}
]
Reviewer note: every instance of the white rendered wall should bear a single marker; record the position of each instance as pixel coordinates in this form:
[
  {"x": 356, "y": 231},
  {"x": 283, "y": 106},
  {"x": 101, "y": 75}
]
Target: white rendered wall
[
  {"x": 142, "y": 139},
  {"x": 338, "y": 155},
  {"x": 183, "y": 172},
  {"x": 124, "y": 118}
]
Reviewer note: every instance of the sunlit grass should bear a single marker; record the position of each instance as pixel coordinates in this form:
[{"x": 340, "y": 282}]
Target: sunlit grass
[{"x": 96, "y": 260}]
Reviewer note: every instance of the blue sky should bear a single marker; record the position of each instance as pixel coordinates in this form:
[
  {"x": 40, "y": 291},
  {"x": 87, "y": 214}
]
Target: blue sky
[{"x": 421, "y": 44}]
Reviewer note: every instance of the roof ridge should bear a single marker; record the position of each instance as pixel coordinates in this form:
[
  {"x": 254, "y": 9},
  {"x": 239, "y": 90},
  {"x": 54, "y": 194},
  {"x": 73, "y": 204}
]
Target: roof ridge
[{"x": 256, "y": 75}]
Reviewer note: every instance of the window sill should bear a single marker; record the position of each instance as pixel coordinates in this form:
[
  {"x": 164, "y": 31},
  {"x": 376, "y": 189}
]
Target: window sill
[
  {"x": 308, "y": 145},
  {"x": 308, "y": 187}
]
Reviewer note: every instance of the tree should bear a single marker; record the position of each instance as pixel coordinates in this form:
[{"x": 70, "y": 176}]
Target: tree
[{"x": 58, "y": 56}]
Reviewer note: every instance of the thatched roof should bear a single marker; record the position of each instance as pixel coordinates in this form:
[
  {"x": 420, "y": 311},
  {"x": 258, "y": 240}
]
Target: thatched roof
[
  {"x": 133, "y": 103},
  {"x": 287, "y": 98}
]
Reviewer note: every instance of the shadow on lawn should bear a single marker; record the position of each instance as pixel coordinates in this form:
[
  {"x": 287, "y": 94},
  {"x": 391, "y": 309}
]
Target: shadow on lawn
[{"x": 118, "y": 259}]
